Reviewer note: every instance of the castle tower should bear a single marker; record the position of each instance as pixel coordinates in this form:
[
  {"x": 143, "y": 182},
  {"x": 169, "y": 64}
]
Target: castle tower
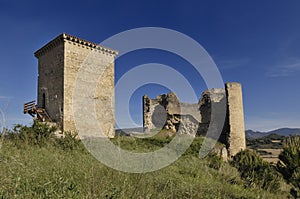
[{"x": 58, "y": 64}]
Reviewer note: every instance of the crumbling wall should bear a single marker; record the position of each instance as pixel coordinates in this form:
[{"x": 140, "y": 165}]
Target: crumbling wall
[
  {"x": 154, "y": 113},
  {"x": 215, "y": 98},
  {"x": 167, "y": 112}
]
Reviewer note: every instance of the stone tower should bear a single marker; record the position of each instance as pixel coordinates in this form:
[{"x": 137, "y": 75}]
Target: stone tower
[
  {"x": 236, "y": 140},
  {"x": 58, "y": 64}
]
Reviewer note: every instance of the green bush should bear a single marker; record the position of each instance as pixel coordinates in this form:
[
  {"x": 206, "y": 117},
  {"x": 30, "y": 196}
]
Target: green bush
[
  {"x": 215, "y": 161},
  {"x": 69, "y": 141},
  {"x": 38, "y": 134},
  {"x": 289, "y": 164},
  {"x": 255, "y": 171},
  {"x": 41, "y": 134}
]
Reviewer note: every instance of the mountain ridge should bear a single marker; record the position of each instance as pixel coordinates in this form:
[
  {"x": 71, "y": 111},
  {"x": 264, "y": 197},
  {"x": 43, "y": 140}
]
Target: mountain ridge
[{"x": 280, "y": 131}]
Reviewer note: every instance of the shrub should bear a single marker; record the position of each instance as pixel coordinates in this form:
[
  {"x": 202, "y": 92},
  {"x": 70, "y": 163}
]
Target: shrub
[
  {"x": 42, "y": 134},
  {"x": 214, "y": 161},
  {"x": 38, "y": 134},
  {"x": 69, "y": 141},
  {"x": 255, "y": 171},
  {"x": 289, "y": 164}
]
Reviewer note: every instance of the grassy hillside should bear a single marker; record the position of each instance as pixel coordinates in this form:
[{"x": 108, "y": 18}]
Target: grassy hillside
[{"x": 64, "y": 169}]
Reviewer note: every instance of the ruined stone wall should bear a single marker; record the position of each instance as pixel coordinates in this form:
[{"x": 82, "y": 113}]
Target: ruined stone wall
[
  {"x": 215, "y": 97},
  {"x": 154, "y": 114},
  {"x": 198, "y": 117},
  {"x": 167, "y": 112}
]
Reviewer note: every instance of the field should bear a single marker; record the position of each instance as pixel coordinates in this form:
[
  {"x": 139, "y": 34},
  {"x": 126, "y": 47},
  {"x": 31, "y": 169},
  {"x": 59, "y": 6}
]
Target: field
[
  {"x": 268, "y": 147},
  {"x": 269, "y": 155}
]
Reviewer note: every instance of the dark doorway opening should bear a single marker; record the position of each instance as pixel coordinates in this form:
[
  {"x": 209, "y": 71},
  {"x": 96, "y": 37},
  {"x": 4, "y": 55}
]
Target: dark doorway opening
[{"x": 44, "y": 101}]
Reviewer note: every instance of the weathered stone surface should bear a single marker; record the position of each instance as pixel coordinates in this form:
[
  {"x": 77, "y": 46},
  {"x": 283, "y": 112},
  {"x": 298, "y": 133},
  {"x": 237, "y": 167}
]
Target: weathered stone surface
[
  {"x": 213, "y": 97},
  {"x": 196, "y": 119},
  {"x": 59, "y": 62},
  {"x": 188, "y": 125},
  {"x": 221, "y": 152},
  {"x": 51, "y": 81},
  {"x": 165, "y": 111},
  {"x": 236, "y": 133}
]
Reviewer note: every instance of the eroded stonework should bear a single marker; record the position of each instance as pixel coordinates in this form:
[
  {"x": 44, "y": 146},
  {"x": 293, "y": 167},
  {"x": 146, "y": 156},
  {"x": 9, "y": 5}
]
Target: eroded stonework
[
  {"x": 195, "y": 119},
  {"x": 167, "y": 112}
]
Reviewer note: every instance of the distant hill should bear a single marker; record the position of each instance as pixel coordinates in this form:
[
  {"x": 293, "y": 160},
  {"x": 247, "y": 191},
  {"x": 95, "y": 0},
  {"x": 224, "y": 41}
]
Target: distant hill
[
  {"x": 249, "y": 133},
  {"x": 281, "y": 131}
]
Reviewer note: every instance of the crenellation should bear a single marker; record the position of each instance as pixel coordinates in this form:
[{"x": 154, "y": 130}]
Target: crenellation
[{"x": 75, "y": 41}]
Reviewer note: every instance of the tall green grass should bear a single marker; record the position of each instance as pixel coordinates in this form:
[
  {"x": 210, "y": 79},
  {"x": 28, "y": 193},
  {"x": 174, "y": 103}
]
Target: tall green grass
[{"x": 59, "y": 170}]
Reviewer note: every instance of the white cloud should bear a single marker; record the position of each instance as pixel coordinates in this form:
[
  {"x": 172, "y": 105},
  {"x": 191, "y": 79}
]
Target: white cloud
[{"x": 284, "y": 70}]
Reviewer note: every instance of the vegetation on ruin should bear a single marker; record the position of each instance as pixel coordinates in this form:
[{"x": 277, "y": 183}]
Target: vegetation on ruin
[{"x": 35, "y": 164}]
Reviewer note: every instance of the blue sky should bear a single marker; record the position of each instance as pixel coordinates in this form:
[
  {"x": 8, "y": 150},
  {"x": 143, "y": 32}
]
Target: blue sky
[{"x": 254, "y": 42}]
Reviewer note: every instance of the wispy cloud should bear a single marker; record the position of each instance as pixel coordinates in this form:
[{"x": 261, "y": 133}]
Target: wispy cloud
[
  {"x": 227, "y": 64},
  {"x": 284, "y": 70}
]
